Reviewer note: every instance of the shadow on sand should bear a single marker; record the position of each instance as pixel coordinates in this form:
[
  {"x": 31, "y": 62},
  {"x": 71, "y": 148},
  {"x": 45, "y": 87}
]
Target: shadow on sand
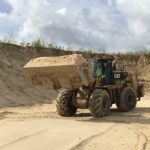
[{"x": 140, "y": 115}]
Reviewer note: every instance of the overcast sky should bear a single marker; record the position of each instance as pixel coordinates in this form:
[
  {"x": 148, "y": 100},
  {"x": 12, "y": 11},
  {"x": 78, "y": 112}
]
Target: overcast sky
[{"x": 92, "y": 24}]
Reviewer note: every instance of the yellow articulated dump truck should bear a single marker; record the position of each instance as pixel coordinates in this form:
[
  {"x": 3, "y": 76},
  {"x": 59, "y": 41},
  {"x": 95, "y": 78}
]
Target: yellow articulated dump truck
[{"x": 93, "y": 84}]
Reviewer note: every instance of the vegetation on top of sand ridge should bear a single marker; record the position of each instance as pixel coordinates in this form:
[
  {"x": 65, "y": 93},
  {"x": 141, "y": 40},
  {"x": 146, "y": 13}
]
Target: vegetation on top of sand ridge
[{"x": 39, "y": 43}]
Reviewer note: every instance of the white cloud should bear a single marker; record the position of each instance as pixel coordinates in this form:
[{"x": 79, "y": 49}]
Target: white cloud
[
  {"x": 99, "y": 24},
  {"x": 110, "y": 2},
  {"x": 62, "y": 11},
  {"x": 137, "y": 14}
]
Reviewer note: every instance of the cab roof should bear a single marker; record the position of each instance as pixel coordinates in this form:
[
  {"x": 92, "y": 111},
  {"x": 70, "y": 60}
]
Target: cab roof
[{"x": 103, "y": 58}]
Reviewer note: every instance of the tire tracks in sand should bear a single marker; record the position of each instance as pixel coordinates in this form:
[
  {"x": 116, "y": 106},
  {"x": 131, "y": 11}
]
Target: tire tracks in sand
[
  {"x": 141, "y": 141},
  {"x": 21, "y": 139},
  {"x": 88, "y": 139}
]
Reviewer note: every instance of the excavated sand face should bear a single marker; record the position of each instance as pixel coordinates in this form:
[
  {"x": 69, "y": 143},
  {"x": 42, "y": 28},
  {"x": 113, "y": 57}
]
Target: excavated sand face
[{"x": 70, "y": 71}]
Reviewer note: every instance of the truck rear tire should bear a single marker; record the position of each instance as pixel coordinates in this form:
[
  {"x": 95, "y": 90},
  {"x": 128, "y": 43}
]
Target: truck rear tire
[
  {"x": 64, "y": 106},
  {"x": 128, "y": 100},
  {"x": 100, "y": 103}
]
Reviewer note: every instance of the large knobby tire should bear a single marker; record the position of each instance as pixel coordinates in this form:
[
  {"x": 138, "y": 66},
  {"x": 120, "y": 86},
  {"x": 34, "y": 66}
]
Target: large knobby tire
[
  {"x": 128, "y": 100},
  {"x": 64, "y": 106},
  {"x": 99, "y": 103}
]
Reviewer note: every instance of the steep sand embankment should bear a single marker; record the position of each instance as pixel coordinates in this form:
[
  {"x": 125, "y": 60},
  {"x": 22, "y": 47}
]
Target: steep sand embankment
[
  {"x": 15, "y": 87},
  {"x": 139, "y": 65}
]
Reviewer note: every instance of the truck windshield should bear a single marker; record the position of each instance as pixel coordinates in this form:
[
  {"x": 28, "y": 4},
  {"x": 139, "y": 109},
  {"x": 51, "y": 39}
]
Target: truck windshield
[{"x": 96, "y": 68}]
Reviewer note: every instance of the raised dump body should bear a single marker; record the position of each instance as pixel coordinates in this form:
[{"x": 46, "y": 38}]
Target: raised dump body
[{"x": 69, "y": 71}]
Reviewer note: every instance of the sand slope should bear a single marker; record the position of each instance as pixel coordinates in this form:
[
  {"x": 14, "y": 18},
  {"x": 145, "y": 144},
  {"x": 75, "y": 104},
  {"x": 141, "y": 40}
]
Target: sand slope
[{"x": 15, "y": 87}]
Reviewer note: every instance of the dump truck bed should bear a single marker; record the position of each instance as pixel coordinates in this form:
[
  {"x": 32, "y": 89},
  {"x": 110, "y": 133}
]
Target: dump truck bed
[{"x": 69, "y": 71}]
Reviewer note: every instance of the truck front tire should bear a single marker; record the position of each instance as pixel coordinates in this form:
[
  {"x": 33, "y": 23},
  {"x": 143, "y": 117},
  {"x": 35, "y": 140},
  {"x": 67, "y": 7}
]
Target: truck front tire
[{"x": 64, "y": 106}]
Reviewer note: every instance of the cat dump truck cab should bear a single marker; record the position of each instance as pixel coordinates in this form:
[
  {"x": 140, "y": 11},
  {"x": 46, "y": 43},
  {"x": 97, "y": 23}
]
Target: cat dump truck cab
[{"x": 93, "y": 84}]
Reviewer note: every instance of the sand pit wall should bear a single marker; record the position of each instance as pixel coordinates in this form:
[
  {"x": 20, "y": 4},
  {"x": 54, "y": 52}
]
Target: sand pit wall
[
  {"x": 15, "y": 87},
  {"x": 139, "y": 65}
]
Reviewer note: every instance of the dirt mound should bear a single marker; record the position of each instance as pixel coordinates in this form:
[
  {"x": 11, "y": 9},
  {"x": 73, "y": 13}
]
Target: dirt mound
[{"x": 15, "y": 87}]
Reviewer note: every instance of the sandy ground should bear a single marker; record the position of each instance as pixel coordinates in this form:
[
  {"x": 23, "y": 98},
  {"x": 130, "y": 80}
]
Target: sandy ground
[{"x": 39, "y": 127}]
